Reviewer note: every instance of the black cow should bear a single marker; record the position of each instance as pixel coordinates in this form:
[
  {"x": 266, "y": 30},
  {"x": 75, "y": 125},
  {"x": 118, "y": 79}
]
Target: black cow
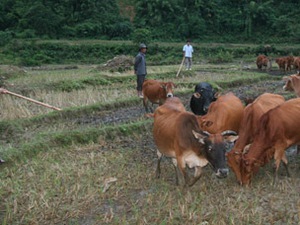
[{"x": 202, "y": 97}]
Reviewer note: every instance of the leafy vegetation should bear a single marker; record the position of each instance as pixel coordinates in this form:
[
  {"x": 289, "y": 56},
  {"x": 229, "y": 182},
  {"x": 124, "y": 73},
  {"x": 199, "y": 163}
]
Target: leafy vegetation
[{"x": 222, "y": 21}]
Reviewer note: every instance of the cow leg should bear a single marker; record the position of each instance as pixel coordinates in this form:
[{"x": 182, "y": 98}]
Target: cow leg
[
  {"x": 181, "y": 167},
  {"x": 278, "y": 157},
  {"x": 159, "y": 155},
  {"x": 197, "y": 175},
  {"x": 285, "y": 164},
  {"x": 298, "y": 149},
  {"x": 174, "y": 163},
  {"x": 152, "y": 108},
  {"x": 189, "y": 181},
  {"x": 145, "y": 103}
]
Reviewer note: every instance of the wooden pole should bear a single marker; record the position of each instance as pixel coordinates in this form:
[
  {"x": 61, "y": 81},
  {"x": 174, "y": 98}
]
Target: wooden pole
[
  {"x": 4, "y": 91},
  {"x": 180, "y": 66}
]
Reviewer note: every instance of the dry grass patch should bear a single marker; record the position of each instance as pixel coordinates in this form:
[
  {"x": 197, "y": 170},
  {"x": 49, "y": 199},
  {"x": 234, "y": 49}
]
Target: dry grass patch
[{"x": 113, "y": 182}]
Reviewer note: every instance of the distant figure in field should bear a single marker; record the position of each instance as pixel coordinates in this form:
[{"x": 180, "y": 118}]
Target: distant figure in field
[
  {"x": 140, "y": 69},
  {"x": 188, "y": 54}
]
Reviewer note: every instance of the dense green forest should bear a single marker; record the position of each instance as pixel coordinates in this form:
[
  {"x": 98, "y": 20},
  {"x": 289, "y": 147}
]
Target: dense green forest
[{"x": 166, "y": 20}]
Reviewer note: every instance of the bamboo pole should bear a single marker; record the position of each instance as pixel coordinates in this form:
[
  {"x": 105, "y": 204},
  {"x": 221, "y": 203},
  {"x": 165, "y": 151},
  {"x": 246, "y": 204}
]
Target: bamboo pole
[
  {"x": 4, "y": 91},
  {"x": 180, "y": 66}
]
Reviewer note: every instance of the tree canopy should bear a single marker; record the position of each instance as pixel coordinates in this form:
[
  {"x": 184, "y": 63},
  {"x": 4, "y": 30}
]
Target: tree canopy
[{"x": 230, "y": 20}]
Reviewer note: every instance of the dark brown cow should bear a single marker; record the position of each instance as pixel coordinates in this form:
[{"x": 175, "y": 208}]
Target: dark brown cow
[
  {"x": 156, "y": 92},
  {"x": 292, "y": 83},
  {"x": 278, "y": 130},
  {"x": 285, "y": 63},
  {"x": 263, "y": 61},
  {"x": 296, "y": 63},
  {"x": 289, "y": 62},
  {"x": 249, "y": 126},
  {"x": 224, "y": 114},
  {"x": 281, "y": 62},
  {"x": 177, "y": 135}
]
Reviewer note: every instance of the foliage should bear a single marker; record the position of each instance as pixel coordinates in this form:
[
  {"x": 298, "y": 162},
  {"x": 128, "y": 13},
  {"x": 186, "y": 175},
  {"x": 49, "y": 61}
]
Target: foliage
[
  {"x": 141, "y": 35},
  {"x": 5, "y": 37},
  {"x": 228, "y": 20},
  {"x": 221, "y": 57}
]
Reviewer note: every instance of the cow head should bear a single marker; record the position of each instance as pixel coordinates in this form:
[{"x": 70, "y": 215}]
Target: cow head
[
  {"x": 205, "y": 97},
  {"x": 249, "y": 167},
  {"x": 288, "y": 86},
  {"x": 202, "y": 97},
  {"x": 234, "y": 160},
  {"x": 168, "y": 87},
  {"x": 215, "y": 148}
]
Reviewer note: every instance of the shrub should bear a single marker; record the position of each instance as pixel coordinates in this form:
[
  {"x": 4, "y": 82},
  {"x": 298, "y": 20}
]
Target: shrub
[
  {"x": 141, "y": 35},
  {"x": 5, "y": 37},
  {"x": 221, "y": 57}
]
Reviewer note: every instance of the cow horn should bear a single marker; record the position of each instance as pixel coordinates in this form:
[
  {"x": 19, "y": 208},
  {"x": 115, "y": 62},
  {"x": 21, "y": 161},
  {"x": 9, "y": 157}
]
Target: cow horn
[
  {"x": 228, "y": 132},
  {"x": 206, "y": 133}
]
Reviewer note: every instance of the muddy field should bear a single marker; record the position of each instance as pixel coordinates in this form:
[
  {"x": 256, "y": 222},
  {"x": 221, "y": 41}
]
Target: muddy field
[{"x": 132, "y": 113}]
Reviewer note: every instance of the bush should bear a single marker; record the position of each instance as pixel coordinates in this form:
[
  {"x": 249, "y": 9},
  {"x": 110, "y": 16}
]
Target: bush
[
  {"x": 141, "y": 35},
  {"x": 5, "y": 37},
  {"x": 221, "y": 57}
]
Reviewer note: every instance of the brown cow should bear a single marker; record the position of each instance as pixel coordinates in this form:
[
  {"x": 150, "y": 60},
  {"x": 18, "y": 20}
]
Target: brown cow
[
  {"x": 177, "y": 135},
  {"x": 296, "y": 63},
  {"x": 263, "y": 61},
  {"x": 281, "y": 63},
  {"x": 285, "y": 63},
  {"x": 156, "y": 92},
  {"x": 289, "y": 62},
  {"x": 292, "y": 83},
  {"x": 224, "y": 114},
  {"x": 278, "y": 130},
  {"x": 249, "y": 126}
]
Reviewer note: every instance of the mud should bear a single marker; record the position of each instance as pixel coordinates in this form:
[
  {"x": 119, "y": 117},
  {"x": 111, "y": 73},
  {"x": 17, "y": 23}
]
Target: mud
[{"x": 133, "y": 113}]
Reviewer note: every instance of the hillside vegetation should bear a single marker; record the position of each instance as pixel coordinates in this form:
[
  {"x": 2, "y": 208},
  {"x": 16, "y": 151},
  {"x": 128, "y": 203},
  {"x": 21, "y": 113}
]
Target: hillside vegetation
[{"x": 214, "y": 20}]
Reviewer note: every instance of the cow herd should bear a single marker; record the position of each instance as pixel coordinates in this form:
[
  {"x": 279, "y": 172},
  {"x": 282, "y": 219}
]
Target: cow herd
[
  {"x": 285, "y": 63},
  {"x": 220, "y": 130}
]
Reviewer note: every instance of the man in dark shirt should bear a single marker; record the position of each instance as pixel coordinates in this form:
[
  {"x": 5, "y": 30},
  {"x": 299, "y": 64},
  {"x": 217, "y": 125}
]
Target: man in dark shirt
[{"x": 140, "y": 69}]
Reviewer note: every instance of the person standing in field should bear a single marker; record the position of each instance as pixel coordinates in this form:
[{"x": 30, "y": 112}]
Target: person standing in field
[
  {"x": 188, "y": 54},
  {"x": 140, "y": 69}
]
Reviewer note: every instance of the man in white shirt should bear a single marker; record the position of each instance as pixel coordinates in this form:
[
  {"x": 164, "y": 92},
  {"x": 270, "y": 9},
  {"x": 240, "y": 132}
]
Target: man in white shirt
[{"x": 188, "y": 52}]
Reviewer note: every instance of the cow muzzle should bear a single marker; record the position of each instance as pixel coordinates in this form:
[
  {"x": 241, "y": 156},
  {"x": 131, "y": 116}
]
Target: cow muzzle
[
  {"x": 222, "y": 173},
  {"x": 170, "y": 95}
]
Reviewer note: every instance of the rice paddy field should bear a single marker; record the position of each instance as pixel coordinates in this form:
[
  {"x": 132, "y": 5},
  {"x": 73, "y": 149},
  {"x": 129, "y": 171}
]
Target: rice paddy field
[{"x": 94, "y": 161}]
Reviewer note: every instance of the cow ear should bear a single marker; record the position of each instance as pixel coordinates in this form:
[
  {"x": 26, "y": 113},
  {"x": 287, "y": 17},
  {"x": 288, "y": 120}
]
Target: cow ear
[
  {"x": 162, "y": 84},
  {"x": 199, "y": 136},
  {"x": 217, "y": 94},
  {"x": 149, "y": 115},
  {"x": 197, "y": 95},
  {"x": 285, "y": 78}
]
